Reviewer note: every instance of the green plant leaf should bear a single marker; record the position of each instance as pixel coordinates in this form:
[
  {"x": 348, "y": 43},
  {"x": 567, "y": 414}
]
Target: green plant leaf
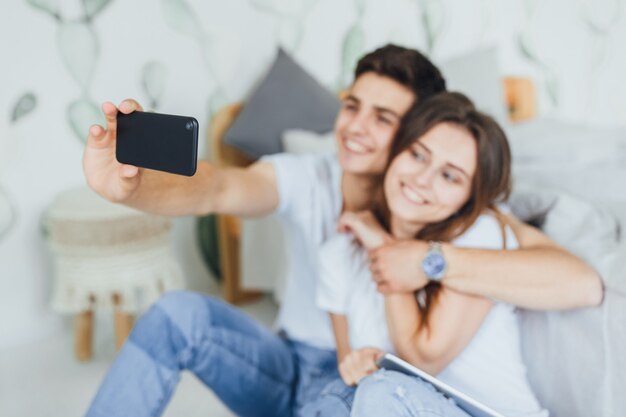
[
  {"x": 7, "y": 214},
  {"x": 352, "y": 49},
  {"x": 50, "y": 7},
  {"x": 180, "y": 17},
  {"x": 153, "y": 80},
  {"x": 93, "y": 7},
  {"x": 79, "y": 50},
  {"x": 24, "y": 105},
  {"x": 81, "y": 114}
]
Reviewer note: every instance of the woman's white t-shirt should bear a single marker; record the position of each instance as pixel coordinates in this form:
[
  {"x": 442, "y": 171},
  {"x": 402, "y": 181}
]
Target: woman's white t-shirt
[{"x": 489, "y": 369}]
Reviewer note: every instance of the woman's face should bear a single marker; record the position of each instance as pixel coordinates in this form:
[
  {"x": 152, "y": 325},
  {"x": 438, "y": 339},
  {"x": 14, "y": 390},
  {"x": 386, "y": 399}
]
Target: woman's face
[{"x": 432, "y": 179}]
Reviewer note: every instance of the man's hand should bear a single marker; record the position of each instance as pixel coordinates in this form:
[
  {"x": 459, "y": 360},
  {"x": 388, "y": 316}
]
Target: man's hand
[
  {"x": 397, "y": 266},
  {"x": 105, "y": 175},
  {"x": 365, "y": 228},
  {"x": 358, "y": 364}
]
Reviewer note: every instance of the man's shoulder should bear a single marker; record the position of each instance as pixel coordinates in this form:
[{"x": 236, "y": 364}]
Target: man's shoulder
[{"x": 316, "y": 166}]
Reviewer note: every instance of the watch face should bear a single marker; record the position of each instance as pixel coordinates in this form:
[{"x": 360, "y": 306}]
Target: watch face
[{"x": 434, "y": 265}]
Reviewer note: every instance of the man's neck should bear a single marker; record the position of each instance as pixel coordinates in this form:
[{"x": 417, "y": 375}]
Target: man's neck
[{"x": 359, "y": 191}]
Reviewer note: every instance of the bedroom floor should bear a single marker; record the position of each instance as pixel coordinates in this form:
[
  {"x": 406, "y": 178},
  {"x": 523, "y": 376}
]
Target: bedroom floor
[{"x": 43, "y": 379}]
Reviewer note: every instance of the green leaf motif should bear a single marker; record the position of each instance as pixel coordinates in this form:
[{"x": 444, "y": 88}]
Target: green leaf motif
[
  {"x": 79, "y": 50},
  {"x": 600, "y": 21},
  {"x": 7, "y": 214},
  {"x": 353, "y": 47},
  {"x": 180, "y": 17},
  {"x": 360, "y": 7},
  {"x": 24, "y": 105},
  {"x": 81, "y": 114},
  {"x": 284, "y": 8},
  {"x": 50, "y": 7},
  {"x": 93, "y": 7},
  {"x": 433, "y": 19},
  {"x": 553, "y": 88},
  {"x": 153, "y": 80}
]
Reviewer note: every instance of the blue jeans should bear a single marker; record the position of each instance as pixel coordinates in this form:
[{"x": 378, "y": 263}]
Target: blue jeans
[
  {"x": 394, "y": 394},
  {"x": 385, "y": 393},
  {"x": 252, "y": 370}
]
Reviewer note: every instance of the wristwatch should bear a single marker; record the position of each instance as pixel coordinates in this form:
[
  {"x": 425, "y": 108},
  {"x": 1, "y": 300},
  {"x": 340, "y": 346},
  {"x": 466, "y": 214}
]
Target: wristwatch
[{"x": 434, "y": 263}]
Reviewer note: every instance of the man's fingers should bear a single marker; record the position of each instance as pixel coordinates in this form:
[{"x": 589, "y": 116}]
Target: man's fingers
[
  {"x": 128, "y": 171},
  {"x": 96, "y": 137},
  {"x": 129, "y": 105}
]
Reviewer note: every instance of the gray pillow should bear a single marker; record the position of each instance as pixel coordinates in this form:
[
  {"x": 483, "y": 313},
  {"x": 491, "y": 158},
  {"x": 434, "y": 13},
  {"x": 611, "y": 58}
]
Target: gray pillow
[{"x": 288, "y": 98}]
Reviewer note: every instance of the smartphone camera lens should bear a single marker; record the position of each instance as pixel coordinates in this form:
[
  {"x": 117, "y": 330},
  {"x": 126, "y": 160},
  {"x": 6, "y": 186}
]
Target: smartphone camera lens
[{"x": 189, "y": 125}]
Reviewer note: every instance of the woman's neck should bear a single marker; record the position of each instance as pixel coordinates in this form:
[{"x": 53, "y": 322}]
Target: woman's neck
[
  {"x": 359, "y": 191},
  {"x": 403, "y": 230}
]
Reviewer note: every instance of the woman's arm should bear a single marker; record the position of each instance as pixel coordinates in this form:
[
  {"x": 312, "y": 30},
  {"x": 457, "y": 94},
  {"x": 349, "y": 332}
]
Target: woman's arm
[
  {"x": 340, "y": 330},
  {"x": 541, "y": 275},
  {"x": 453, "y": 320},
  {"x": 354, "y": 365}
]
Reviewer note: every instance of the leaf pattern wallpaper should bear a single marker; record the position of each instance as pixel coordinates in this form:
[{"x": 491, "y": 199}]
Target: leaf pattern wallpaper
[
  {"x": 79, "y": 49},
  {"x": 24, "y": 105}
]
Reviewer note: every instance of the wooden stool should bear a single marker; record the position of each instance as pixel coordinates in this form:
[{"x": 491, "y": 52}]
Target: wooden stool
[{"x": 107, "y": 256}]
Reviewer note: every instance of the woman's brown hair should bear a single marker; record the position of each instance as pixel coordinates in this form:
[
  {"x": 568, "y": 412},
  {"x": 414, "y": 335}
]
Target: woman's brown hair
[{"x": 492, "y": 180}]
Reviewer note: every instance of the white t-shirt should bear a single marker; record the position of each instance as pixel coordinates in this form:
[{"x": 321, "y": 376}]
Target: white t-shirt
[
  {"x": 310, "y": 201},
  {"x": 489, "y": 369}
]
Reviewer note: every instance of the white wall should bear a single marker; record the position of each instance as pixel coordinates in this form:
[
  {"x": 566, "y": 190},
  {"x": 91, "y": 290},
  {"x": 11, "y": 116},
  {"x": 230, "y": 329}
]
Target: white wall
[{"x": 574, "y": 50}]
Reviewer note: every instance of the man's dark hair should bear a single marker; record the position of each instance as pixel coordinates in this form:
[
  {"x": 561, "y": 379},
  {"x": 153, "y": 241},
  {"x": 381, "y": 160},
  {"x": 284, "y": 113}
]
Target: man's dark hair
[{"x": 406, "y": 66}]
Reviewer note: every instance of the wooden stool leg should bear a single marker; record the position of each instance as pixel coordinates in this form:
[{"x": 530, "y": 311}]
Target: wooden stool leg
[
  {"x": 123, "y": 322},
  {"x": 83, "y": 331}
]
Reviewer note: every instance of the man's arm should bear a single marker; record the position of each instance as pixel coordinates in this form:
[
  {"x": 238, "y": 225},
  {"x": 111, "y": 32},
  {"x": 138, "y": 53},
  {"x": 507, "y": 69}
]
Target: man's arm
[
  {"x": 240, "y": 191},
  {"x": 540, "y": 275}
]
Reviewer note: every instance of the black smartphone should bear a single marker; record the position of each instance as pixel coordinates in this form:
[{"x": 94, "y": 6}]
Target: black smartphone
[{"x": 158, "y": 141}]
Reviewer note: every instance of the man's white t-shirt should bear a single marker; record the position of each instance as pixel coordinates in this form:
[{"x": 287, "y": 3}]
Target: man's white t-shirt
[
  {"x": 489, "y": 369},
  {"x": 310, "y": 202}
]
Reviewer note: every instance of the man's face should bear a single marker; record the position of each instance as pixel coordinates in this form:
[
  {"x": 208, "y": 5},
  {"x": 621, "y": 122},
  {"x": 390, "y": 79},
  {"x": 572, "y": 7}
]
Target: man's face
[{"x": 367, "y": 122}]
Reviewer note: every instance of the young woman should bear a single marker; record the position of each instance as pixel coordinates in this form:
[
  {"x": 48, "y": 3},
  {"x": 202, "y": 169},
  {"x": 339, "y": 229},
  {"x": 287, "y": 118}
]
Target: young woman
[{"x": 449, "y": 169}]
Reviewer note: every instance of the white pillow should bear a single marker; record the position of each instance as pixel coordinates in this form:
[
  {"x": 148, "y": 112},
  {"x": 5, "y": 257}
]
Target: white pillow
[
  {"x": 573, "y": 222},
  {"x": 306, "y": 142},
  {"x": 556, "y": 142},
  {"x": 589, "y": 162}
]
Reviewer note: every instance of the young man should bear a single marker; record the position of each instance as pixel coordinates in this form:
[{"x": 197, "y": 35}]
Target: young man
[{"x": 254, "y": 371}]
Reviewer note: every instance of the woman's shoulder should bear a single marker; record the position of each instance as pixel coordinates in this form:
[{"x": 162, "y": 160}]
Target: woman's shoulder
[
  {"x": 340, "y": 246},
  {"x": 486, "y": 233}
]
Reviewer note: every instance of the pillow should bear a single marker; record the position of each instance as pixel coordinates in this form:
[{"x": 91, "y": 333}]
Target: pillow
[
  {"x": 574, "y": 223},
  {"x": 288, "y": 98},
  {"x": 477, "y": 76},
  {"x": 557, "y": 142},
  {"x": 585, "y": 161},
  {"x": 305, "y": 142}
]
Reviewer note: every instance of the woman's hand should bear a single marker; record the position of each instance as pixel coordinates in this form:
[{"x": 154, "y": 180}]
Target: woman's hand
[
  {"x": 365, "y": 228},
  {"x": 358, "y": 364}
]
